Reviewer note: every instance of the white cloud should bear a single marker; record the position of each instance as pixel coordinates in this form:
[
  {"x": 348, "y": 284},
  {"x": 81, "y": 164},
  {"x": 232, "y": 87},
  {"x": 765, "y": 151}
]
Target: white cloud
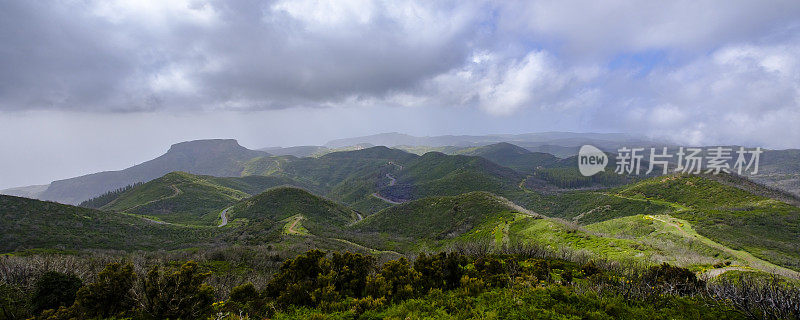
[{"x": 718, "y": 64}]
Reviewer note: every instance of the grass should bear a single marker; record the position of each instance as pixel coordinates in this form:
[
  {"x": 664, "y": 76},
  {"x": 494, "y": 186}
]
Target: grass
[
  {"x": 436, "y": 217},
  {"x": 30, "y": 224},
  {"x": 735, "y": 218},
  {"x": 183, "y": 198}
]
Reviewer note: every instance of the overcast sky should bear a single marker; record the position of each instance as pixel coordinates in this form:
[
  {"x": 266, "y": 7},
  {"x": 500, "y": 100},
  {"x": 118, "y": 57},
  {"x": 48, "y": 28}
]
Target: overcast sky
[{"x": 100, "y": 85}]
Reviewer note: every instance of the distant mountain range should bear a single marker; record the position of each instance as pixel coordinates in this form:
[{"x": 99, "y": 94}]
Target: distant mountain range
[
  {"x": 558, "y": 143},
  {"x": 551, "y": 152}
]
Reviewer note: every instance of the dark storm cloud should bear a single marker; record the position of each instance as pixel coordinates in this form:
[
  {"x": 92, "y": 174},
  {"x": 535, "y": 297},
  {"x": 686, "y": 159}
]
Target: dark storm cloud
[
  {"x": 226, "y": 54},
  {"x": 697, "y": 71},
  {"x": 57, "y": 57}
]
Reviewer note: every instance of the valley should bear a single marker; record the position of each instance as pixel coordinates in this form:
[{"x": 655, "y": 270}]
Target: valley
[{"x": 390, "y": 203}]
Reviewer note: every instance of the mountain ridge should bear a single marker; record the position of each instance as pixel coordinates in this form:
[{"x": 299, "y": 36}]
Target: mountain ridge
[{"x": 217, "y": 157}]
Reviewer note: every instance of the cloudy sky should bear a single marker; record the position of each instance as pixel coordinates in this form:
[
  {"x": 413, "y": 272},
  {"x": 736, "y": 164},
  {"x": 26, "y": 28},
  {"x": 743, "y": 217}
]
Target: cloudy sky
[{"x": 99, "y": 85}]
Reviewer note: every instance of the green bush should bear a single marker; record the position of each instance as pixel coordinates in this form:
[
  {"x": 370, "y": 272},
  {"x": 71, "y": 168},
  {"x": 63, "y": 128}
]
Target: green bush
[
  {"x": 13, "y": 302},
  {"x": 311, "y": 279},
  {"x": 674, "y": 280},
  {"x": 180, "y": 294},
  {"x": 110, "y": 295},
  {"x": 54, "y": 289},
  {"x": 396, "y": 281},
  {"x": 245, "y": 299},
  {"x": 442, "y": 271}
]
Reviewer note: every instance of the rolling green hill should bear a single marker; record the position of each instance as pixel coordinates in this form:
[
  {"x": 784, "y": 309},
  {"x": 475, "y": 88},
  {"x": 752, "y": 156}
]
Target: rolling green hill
[
  {"x": 34, "y": 224},
  {"x": 325, "y": 172},
  {"x": 437, "y": 174},
  {"x": 180, "y": 197},
  {"x": 512, "y": 156},
  {"x": 354, "y": 177},
  {"x": 438, "y": 218},
  {"x": 765, "y": 227},
  {"x": 274, "y": 205}
]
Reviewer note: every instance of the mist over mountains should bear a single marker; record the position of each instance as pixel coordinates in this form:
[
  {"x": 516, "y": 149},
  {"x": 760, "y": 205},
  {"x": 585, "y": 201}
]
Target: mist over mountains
[{"x": 226, "y": 158}]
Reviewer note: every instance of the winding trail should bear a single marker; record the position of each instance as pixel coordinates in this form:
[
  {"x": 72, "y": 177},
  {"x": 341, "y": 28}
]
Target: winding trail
[
  {"x": 377, "y": 195},
  {"x": 392, "y": 182},
  {"x": 224, "y": 216},
  {"x": 291, "y": 230},
  {"x": 392, "y": 179},
  {"x": 175, "y": 193}
]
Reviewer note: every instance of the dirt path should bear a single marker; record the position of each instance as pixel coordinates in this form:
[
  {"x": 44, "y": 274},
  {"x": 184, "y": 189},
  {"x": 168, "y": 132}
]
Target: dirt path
[
  {"x": 175, "y": 193},
  {"x": 155, "y": 221},
  {"x": 392, "y": 182},
  {"x": 224, "y": 216},
  {"x": 713, "y": 273},
  {"x": 292, "y": 227},
  {"x": 377, "y": 195}
]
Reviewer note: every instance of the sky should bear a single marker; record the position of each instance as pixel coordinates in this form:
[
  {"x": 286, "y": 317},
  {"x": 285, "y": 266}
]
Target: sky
[{"x": 90, "y": 85}]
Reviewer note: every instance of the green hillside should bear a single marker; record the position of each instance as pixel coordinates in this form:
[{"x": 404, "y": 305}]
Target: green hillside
[
  {"x": 437, "y": 174},
  {"x": 352, "y": 177},
  {"x": 438, "y": 218},
  {"x": 346, "y": 176},
  {"x": 267, "y": 209},
  {"x": 34, "y": 224},
  {"x": 765, "y": 227},
  {"x": 512, "y": 156},
  {"x": 184, "y": 198}
]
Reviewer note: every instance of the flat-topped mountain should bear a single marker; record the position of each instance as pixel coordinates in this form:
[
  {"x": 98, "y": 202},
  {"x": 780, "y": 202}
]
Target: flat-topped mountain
[{"x": 219, "y": 157}]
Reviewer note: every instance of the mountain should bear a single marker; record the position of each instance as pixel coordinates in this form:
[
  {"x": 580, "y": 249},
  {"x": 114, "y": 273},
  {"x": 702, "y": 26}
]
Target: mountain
[
  {"x": 375, "y": 178},
  {"x": 35, "y": 224},
  {"x": 346, "y": 176},
  {"x": 438, "y": 174},
  {"x": 288, "y": 211},
  {"x": 606, "y": 141},
  {"x": 780, "y": 169},
  {"x": 32, "y": 192},
  {"x": 508, "y": 155},
  {"x": 224, "y": 158},
  {"x": 741, "y": 219},
  {"x": 180, "y": 197},
  {"x": 438, "y": 217},
  {"x": 298, "y": 151}
]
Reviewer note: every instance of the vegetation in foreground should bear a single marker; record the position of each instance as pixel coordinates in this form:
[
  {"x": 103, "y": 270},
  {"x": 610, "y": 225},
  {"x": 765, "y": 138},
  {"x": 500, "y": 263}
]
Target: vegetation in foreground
[{"x": 514, "y": 283}]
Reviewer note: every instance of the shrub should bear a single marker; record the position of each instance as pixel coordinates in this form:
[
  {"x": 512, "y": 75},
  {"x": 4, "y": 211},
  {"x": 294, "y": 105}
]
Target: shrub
[
  {"x": 440, "y": 271},
  {"x": 245, "y": 299},
  {"x": 590, "y": 268},
  {"x": 110, "y": 295},
  {"x": 396, "y": 281},
  {"x": 13, "y": 302},
  {"x": 350, "y": 272},
  {"x": 492, "y": 271},
  {"x": 674, "y": 280},
  {"x": 54, "y": 289},
  {"x": 297, "y": 278},
  {"x": 472, "y": 286},
  {"x": 181, "y": 294}
]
